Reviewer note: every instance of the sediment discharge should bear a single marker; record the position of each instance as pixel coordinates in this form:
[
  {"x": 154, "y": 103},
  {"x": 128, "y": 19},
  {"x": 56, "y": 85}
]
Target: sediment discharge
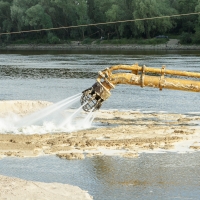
[{"x": 113, "y": 133}]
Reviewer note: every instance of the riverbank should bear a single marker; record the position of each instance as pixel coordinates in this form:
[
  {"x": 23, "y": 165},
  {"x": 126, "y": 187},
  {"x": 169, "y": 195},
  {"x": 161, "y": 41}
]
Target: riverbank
[
  {"x": 18, "y": 189},
  {"x": 120, "y": 133},
  {"x": 106, "y": 47},
  {"x": 116, "y": 133}
]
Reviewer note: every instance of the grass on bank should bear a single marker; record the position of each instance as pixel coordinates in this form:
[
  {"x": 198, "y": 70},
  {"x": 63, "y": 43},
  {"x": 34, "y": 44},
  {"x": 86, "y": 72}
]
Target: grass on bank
[
  {"x": 89, "y": 41},
  {"x": 50, "y": 38},
  {"x": 123, "y": 41}
]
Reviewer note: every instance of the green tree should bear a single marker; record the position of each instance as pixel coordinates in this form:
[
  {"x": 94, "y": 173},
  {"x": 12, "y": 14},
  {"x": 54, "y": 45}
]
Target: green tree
[
  {"x": 18, "y": 15},
  {"x": 65, "y": 15},
  {"x": 18, "y": 12},
  {"x": 196, "y": 38},
  {"x": 82, "y": 17},
  {"x": 36, "y": 17},
  {"x": 152, "y": 8},
  {"x": 5, "y": 20},
  {"x": 115, "y": 13},
  {"x": 187, "y": 23},
  {"x": 109, "y": 11},
  {"x": 120, "y": 10}
]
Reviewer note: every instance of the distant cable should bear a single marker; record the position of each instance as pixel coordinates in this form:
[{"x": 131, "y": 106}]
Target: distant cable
[{"x": 103, "y": 23}]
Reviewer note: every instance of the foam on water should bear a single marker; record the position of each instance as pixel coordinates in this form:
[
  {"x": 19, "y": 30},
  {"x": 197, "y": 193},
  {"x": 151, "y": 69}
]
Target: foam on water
[{"x": 58, "y": 117}]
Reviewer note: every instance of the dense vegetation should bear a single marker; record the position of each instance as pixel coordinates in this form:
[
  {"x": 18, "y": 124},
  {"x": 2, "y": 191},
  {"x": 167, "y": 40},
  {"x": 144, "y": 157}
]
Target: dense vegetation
[{"x": 22, "y": 15}]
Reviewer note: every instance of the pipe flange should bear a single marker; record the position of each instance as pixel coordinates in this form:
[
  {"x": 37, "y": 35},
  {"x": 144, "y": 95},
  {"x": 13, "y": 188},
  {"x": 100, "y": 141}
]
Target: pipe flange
[
  {"x": 142, "y": 76},
  {"x": 162, "y": 77}
]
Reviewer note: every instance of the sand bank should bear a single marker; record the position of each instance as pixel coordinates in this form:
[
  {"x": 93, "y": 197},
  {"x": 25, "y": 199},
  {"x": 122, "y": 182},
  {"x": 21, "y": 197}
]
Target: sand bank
[
  {"x": 22, "y": 107},
  {"x": 121, "y": 133},
  {"x": 18, "y": 189}
]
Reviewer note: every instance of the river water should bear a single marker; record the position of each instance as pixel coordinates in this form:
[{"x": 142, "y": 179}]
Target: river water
[
  {"x": 53, "y": 76},
  {"x": 56, "y": 75}
]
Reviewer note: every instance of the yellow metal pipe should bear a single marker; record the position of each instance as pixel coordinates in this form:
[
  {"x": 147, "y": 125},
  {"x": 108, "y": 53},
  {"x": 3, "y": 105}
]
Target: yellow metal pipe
[
  {"x": 107, "y": 80},
  {"x": 152, "y": 70},
  {"x": 153, "y": 81}
]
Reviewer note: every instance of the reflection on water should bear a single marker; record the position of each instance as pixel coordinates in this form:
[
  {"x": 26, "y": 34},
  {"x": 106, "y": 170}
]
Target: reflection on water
[{"x": 152, "y": 176}]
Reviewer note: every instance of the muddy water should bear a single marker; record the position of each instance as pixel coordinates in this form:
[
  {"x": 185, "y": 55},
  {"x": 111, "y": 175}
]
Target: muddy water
[{"x": 53, "y": 76}]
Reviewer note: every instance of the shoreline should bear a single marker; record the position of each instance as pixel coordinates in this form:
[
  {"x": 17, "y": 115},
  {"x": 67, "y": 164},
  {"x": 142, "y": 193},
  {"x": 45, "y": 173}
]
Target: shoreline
[
  {"x": 122, "y": 133},
  {"x": 108, "y": 47},
  {"x": 20, "y": 189}
]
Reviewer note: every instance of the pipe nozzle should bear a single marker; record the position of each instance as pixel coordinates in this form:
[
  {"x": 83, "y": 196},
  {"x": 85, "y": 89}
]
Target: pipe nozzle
[{"x": 92, "y": 98}]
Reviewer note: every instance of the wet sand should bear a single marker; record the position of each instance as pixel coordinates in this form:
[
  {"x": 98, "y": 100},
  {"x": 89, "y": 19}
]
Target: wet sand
[
  {"x": 18, "y": 189},
  {"x": 116, "y": 133},
  {"x": 121, "y": 133}
]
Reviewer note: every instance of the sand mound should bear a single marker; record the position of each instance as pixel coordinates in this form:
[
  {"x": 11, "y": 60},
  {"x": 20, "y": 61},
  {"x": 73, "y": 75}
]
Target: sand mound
[
  {"x": 116, "y": 133},
  {"x": 18, "y": 189},
  {"x": 40, "y": 117},
  {"x": 122, "y": 133},
  {"x": 21, "y": 107},
  {"x": 13, "y": 188}
]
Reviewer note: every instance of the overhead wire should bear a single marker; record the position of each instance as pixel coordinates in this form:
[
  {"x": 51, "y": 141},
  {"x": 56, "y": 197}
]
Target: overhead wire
[{"x": 101, "y": 23}]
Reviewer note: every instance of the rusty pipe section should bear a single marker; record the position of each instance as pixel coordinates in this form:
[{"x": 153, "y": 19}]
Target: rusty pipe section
[
  {"x": 93, "y": 97},
  {"x": 156, "y": 82},
  {"x": 137, "y": 69}
]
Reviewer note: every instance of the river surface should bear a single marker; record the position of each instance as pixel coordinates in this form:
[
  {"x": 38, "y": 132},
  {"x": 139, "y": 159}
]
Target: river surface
[
  {"x": 150, "y": 177},
  {"x": 53, "y": 76},
  {"x": 56, "y": 75}
]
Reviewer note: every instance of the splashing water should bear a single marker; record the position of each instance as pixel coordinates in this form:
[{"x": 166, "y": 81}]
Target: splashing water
[{"x": 58, "y": 117}]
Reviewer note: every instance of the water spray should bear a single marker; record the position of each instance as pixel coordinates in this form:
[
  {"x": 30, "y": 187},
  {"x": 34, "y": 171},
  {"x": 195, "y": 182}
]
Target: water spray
[
  {"x": 68, "y": 119},
  {"x": 48, "y": 111}
]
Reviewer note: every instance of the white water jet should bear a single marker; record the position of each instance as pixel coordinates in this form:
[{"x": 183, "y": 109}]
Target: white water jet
[
  {"x": 40, "y": 116},
  {"x": 87, "y": 121},
  {"x": 7, "y": 123},
  {"x": 59, "y": 117},
  {"x": 73, "y": 115}
]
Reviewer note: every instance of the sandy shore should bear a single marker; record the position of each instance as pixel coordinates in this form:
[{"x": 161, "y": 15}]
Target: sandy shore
[
  {"x": 108, "y": 47},
  {"x": 18, "y": 189},
  {"x": 117, "y": 133},
  {"x": 122, "y": 133}
]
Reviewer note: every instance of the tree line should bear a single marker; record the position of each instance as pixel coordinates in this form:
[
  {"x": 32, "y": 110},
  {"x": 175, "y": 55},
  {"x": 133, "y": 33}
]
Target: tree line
[{"x": 24, "y": 15}]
